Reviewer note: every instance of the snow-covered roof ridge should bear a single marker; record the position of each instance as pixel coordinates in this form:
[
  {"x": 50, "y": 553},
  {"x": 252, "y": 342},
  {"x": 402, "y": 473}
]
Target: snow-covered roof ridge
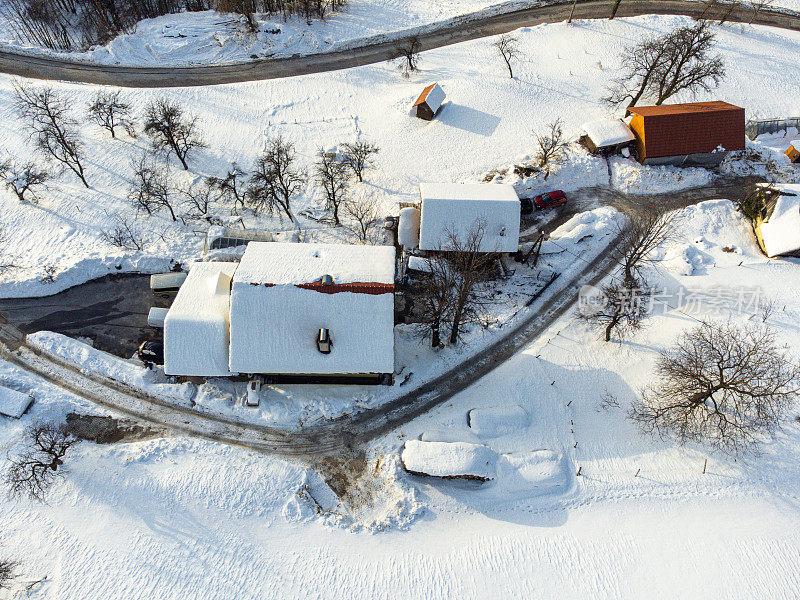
[{"x": 276, "y": 263}]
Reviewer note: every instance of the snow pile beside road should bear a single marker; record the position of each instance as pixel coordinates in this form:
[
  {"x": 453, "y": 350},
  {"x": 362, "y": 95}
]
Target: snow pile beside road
[
  {"x": 630, "y": 177},
  {"x": 450, "y": 460},
  {"x": 572, "y": 236},
  {"x": 95, "y": 362}
]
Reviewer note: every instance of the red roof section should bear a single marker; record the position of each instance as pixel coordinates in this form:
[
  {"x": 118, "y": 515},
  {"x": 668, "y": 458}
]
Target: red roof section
[
  {"x": 357, "y": 287},
  {"x": 424, "y": 95},
  {"x": 687, "y": 108}
]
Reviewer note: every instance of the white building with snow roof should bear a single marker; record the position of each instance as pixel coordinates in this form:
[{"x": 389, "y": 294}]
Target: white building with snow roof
[
  {"x": 779, "y": 230},
  {"x": 196, "y": 327},
  {"x": 455, "y": 208},
  {"x": 313, "y": 309}
]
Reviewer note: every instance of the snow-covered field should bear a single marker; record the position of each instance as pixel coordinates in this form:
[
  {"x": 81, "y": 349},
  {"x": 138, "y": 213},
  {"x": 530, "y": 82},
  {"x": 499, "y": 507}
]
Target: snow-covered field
[{"x": 177, "y": 518}]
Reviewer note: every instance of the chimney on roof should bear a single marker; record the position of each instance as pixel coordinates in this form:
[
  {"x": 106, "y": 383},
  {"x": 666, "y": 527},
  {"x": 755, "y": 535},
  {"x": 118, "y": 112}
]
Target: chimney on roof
[{"x": 327, "y": 280}]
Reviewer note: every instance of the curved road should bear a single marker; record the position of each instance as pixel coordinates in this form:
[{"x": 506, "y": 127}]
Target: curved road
[{"x": 453, "y": 31}]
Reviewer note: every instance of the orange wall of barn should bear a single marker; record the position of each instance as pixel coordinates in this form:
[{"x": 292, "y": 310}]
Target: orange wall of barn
[{"x": 637, "y": 127}]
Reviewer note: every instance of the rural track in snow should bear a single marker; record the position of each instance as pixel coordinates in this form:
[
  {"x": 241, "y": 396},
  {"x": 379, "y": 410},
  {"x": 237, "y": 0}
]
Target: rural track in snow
[{"x": 374, "y": 50}]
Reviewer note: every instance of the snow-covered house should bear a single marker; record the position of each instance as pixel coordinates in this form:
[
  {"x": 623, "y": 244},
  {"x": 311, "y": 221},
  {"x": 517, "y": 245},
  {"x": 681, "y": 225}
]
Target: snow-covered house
[
  {"x": 313, "y": 309},
  {"x": 196, "y": 327},
  {"x": 606, "y": 136},
  {"x": 779, "y": 230},
  {"x": 446, "y": 209},
  {"x": 429, "y": 101}
]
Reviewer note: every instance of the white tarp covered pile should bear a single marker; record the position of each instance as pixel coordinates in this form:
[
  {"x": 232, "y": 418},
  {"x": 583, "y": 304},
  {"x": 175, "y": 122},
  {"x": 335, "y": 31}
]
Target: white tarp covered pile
[
  {"x": 453, "y": 208},
  {"x": 449, "y": 460},
  {"x": 279, "y": 304},
  {"x": 13, "y": 403}
]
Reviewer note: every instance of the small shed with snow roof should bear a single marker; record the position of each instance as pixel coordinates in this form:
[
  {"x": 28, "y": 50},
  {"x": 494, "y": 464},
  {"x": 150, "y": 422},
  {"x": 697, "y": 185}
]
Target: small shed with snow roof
[
  {"x": 429, "y": 101},
  {"x": 313, "y": 310},
  {"x": 606, "y": 136}
]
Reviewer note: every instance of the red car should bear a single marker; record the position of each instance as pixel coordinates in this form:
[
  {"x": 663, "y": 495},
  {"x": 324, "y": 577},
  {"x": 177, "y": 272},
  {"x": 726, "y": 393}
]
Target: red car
[{"x": 549, "y": 199}]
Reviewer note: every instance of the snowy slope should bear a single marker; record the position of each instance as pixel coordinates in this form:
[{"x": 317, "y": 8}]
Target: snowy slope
[{"x": 488, "y": 122}]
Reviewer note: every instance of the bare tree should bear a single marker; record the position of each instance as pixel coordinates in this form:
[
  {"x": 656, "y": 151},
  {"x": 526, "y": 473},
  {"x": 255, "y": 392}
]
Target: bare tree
[
  {"x": 24, "y": 179},
  {"x": 358, "y": 157},
  {"x": 231, "y": 188},
  {"x": 275, "y": 180},
  {"x": 660, "y": 67},
  {"x": 110, "y": 112},
  {"x": 552, "y": 147},
  {"x": 435, "y": 292},
  {"x": 408, "y": 55},
  {"x": 647, "y": 230},
  {"x": 725, "y": 385},
  {"x": 170, "y": 130},
  {"x": 124, "y": 234},
  {"x": 35, "y": 467},
  {"x": 333, "y": 175},
  {"x": 8, "y": 570},
  {"x": 363, "y": 213},
  {"x": 199, "y": 200},
  {"x": 245, "y": 8},
  {"x": 507, "y": 47},
  {"x": 621, "y": 309},
  {"x": 54, "y": 129},
  {"x": 150, "y": 189},
  {"x": 471, "y": 266}
]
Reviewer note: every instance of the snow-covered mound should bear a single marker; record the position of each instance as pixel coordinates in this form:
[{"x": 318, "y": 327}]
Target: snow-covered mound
[
  {"x": 498, "y": 420},
  {"x": 449, "y": 460}
]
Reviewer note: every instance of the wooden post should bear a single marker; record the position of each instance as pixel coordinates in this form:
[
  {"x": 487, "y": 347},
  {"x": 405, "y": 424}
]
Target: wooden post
[
  {"x": 572, "y": 11},
  {"x": 579, "y": 472},
  {"x": 637, "y": 472},
  {"x": 705, "y": 463}
]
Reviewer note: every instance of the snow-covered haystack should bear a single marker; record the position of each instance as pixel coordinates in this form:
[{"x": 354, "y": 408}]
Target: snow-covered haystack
[
  {"x": 497, "y": 421},
  {"x": 449, "y": 460}
]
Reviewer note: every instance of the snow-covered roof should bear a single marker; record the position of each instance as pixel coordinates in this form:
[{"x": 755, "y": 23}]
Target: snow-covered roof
[
  {"x": 13, "y": 403},
  {"x": 781, "y": 233},
  {"x": 278, "y": 306},
  {"x": 608, "y": 132},
  {"x": 278, "y": 263},
  {"x": 449, "y": 459},
  {"x": 196, "y": 326},
  {"x": 454, "y": 207},
  {"x": 408, "y": 227},
  {"x": 433, "y": 95}
]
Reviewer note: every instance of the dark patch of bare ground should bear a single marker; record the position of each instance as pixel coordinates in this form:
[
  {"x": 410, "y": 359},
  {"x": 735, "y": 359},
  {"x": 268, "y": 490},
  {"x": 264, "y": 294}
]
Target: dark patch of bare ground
[
  {"x": 354, "y": 478},
  {"x": 110, "y": 430}
]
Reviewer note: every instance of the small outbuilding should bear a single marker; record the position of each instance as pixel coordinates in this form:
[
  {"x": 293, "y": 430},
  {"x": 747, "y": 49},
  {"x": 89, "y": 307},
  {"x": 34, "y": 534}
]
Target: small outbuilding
[
  {"x": 778, "y": 230},
  {"x": 14, "y": 403},
  {"x": 696, "y": 133},
  {"x": 196, "y": 328},
  {"x": 793, "y": 152},
  {"x": 606, "y": 136},
  {"x": 429, "y": 101},
  {"x": 455, "y": 208},
  {"x": 322, "y": 311}
]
